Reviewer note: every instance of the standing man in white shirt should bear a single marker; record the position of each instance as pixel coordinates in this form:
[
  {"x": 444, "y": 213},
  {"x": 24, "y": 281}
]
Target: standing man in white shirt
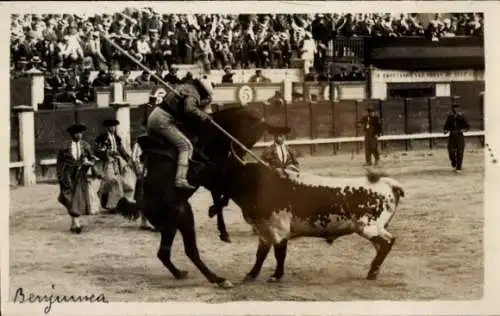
[
  {"x": 74, "y": 160},
  {"x": 308, "y": 51}
]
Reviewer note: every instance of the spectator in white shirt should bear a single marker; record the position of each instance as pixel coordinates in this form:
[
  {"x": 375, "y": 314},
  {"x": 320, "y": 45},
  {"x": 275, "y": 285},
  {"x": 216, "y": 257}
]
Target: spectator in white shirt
[
  {"x": 308, "y": 51},
  {"x": 142, "y": 47}
]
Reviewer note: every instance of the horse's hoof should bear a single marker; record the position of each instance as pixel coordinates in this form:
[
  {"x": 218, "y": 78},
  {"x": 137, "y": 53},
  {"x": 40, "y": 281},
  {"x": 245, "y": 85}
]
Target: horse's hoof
[
  {"x": 273, "y": 279},
  {"x": 225, "y": 238},
  {"x": 226, "y": 284},
  {"x": 181, "y": 275},
  {"x": 248, "y": 278},
  {"x": 212, "y": 211}
]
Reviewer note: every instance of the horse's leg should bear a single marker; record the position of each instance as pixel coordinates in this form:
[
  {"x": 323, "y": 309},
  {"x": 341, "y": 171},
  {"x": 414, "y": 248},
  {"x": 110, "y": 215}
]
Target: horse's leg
[
  {"x": 280, "y": 255},
  {"x": 220, "y": 201},
  {"x": 261, "y": 255},
  {"x": 186, "y": 226},
  {"x": 221, "y": 226},
  {"x": 164, "y": 253},
  {"x": 216, "y": 207}
]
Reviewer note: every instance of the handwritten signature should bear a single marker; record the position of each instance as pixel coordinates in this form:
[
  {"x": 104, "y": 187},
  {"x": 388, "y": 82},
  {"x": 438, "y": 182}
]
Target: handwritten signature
[{"x": 22, "y": 297}]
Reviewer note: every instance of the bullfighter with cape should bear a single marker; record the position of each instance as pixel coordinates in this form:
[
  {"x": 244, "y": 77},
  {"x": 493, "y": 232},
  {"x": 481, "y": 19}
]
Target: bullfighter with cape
[
  {"x": 75, "y": 161},
  {"x": 115, "y": 164}
]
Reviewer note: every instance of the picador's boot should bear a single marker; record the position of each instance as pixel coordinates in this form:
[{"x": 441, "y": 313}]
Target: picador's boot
[{"x": 181, "y": 178}]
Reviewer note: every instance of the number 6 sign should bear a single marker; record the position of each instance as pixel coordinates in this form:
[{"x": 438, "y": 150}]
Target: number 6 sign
[{"x": 245, "y": 94}]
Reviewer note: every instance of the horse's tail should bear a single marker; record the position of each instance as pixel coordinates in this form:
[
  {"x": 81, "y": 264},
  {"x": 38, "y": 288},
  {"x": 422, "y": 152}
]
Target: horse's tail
[{"x": 128, "y": 209}]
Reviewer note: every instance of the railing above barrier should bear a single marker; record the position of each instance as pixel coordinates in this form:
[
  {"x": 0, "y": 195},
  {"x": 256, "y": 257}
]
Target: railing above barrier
[{"x": 223, "y": 93}]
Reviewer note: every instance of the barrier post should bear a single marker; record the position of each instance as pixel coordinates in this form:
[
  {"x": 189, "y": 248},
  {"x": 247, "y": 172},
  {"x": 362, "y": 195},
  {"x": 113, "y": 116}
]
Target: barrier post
[
  {"x": 429, "y": 115},
  {"x": 405, "y": 104},
  {"x": 287, "y": 89},
  {"x": 356, "y": 129},
  {"x": 312, "y": 130},
  {"x": 122, "y": 114},
  {"x": 37, "y": 87},
  {"x": 334, "y": 125},
  {"x": 26, "y": 116},
  {"x": 481, "y": 107}
]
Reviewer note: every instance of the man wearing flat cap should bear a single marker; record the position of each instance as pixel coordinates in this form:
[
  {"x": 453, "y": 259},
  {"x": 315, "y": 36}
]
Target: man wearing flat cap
[
  {"x": 115, "y": 160},
  {"x": 456, "y": 124},
  {"x": 372, "y": 128},
  {"x": 75, "y": 160}
]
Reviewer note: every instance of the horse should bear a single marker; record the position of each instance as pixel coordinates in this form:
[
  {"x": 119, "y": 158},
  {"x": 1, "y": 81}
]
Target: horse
[{"x": 166, "y": 207}]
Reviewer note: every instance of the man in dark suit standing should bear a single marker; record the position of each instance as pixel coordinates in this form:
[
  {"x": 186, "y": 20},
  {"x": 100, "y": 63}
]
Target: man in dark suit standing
[
  {"x": 278, "y": 155},
  {"x": 114, "y": 158},
  {"x": 74, "y": 160},
  {"x": 456, "y": 124},
  {"x": 372, "y": 128}
]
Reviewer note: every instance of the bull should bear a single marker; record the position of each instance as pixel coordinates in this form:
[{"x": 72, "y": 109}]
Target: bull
[{"x": 281, "y": 208}]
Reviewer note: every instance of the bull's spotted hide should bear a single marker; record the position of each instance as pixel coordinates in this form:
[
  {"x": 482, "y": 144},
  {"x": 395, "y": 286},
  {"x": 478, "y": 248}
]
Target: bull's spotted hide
[{"x": 311, "y": 205}]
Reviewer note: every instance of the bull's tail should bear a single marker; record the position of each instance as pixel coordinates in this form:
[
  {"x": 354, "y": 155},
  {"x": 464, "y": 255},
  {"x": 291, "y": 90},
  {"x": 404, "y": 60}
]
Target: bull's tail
[
  {"x": 127, "y": 209},
  {"x": 397, "y": 188}
]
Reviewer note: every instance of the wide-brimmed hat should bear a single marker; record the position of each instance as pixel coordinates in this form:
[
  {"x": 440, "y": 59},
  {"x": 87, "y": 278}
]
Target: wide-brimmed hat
[
  {"x": 76, "y": 128},
  {"x": 110, "y": 123}
]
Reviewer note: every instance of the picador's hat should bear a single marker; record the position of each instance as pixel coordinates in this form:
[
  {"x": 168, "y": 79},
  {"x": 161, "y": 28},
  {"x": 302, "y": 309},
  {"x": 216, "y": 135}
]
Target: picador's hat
[
  {"x": 110, "y": 123},
  {"x": 276, "y": 131},
  {"x": 76, "y": 128}
]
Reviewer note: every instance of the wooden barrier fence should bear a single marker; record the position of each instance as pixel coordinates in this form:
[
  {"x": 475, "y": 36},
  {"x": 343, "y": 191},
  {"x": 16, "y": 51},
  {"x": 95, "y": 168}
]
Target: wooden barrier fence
[{"x": 407, "y": 124}]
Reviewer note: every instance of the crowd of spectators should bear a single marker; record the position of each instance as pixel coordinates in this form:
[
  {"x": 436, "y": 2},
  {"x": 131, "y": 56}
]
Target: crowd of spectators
[
  {"x": 214, "y": 40},
  {"x": 70, "y": 46}
]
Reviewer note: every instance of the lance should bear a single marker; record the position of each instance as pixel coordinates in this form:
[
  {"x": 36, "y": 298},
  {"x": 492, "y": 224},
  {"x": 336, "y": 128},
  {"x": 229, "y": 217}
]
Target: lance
[{"x": 160, "y": 80}]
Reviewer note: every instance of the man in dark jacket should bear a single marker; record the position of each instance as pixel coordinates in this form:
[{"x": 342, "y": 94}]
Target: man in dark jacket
[
  {"x": 372, "y": 128},
  {"x": 456, "y": 124},
  {"x": 188, "y": 102}
]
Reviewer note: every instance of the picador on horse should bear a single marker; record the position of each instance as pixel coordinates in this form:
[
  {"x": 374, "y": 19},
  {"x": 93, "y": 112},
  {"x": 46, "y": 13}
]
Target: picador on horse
[{"x": 186, "y": 104}]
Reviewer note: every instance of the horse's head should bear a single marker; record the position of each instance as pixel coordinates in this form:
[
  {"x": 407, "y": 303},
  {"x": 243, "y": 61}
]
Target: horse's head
[{"x": 244, "y": 124}]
